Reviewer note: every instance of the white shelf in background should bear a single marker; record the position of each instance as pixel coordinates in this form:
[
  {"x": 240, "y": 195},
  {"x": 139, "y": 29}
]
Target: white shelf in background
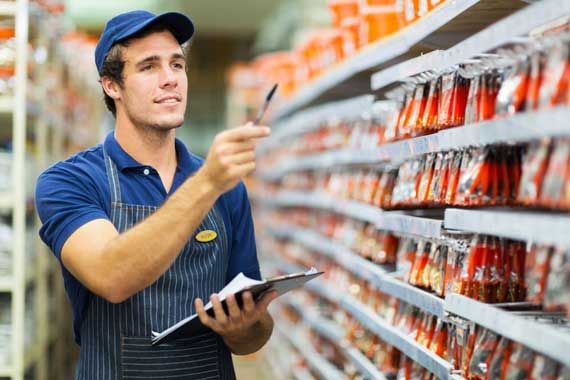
[
  {"x": 541, "y": 228},
  {"x": 384, "y": 220},
  {"x": 522, "y": 127},
  {"x": 542, "y": 338},
  {"x": 376, "y": 54},
  {"x": 325, "y": 369},
  {"x": 6, "y": 372},
  {"x": 333, "y": 332},
  {"x": 518, "y": 24},
  {"x": 8, "y": 8},
  {"x": 6, "y": 284},
  {"x": 415, "y": 296},
  {"x": 398, "y": 339},
  {"x": 365, "y": 269},
  {"x": 6, "y": 102},
  {"x": 312, "y": 119},
  {"x": 6, "y": 202}
]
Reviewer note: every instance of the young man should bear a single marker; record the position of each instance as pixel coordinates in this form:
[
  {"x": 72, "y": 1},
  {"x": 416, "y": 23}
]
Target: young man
[{"x": 123, "y": 219}]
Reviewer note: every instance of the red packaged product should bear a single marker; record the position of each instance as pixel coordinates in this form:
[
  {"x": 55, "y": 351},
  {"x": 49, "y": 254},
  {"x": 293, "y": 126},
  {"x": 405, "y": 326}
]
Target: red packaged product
[
  {"x": 499, "y": 269},
  {"x": 437, "y": 275},
  {"x": 415, "y": 116},
  {"x": 556, "y": 75},
  {"x": 469, "y": 347},
  {"x": 490, "y": 85},
  {"x": 520, "y": 363},
  {"x": 454, "y": 266},
  {"x": 536, "y": 70},
  {"x": 512, "y": 95},
  {"x": 446, "y": 100},
  {"x": 438, "y": 179},
  {"x": 406, "y": 367},
  {"x": 515, "y": 270},
  {"x": 471, "y": 267},
  {"x": 544, "y": 369},
  {"x": 482, "y": 355},
  {"x": 551, "y": 193},
  {"x": 534, "y": 168},
  {"x": 473, "y": 105},
  {"x": 440, "y": 338},
  {"x": 426, "y": 179},
  {"x": 458, "y": 161},
  {"x": 420, "y": 262},
  {"x": 557, "y": 295},
  {"x": 537, "y": 268},
  {"x": 500, "y": 360},
  {"x": 461, "y": 91},
  {"x": 480, "y": 260},
  {"x": 430, "y": 115}
]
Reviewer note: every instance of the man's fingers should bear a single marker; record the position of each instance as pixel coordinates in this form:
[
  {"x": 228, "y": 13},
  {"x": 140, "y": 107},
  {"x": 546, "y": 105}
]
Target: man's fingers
[
  {"x": 204, "y": 317},
  {"x": 221, "y": 316},
  {"x": 248, "y": 304},
  {"x": 233, "y": 308},
  {"x": 244, "y": 158},
  {"x": 264, "y": 302},
  {"x": 238, "y": 147},
  {"x": 244, "y": 133}
]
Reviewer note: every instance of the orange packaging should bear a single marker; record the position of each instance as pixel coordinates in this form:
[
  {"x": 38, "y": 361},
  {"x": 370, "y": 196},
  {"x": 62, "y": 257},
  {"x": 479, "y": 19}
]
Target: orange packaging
[
  {"x": 350, "y": 29},
  {"x": 343, "y": 9},
  {"x": 379, "y": 22}
]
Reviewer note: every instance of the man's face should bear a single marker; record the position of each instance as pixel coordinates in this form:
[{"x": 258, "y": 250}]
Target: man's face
[{"x": 155, "y": 82}]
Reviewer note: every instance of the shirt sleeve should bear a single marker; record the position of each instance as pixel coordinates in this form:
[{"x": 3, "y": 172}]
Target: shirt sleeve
[
  {"x": 64, "y": 203},
  {"x": 243, "y": 256}
]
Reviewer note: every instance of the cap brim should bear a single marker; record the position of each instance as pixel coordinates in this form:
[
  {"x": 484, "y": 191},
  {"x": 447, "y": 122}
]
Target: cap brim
[{"x": 179, "y": 24}]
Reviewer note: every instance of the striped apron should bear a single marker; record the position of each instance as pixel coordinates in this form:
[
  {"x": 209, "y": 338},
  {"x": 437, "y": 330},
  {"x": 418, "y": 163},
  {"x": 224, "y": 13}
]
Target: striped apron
[{"x": 115, "y": 338}]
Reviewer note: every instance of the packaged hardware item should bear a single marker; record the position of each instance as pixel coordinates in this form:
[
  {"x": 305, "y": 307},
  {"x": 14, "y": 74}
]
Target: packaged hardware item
[
  {"x": 483, "y": 352},
  {"x": 534, "y": 167},
  {"x": 537, "y": 268},
  {"x": 544, "y": 368},
  {"x": 520, "y": 363},
  {"x": 500, "y": 360},
  {"x": 557, "y": 294},
  {"x": 556, "y": 178}
]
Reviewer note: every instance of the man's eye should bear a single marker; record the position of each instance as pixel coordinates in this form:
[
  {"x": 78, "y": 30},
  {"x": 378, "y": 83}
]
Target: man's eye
[
  {"x": 178, "y": 66},
  {"x": 146, "y": 67}
]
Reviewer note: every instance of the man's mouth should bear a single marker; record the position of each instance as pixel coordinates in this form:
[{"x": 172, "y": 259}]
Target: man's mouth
[{"x": 171, "y": 99}]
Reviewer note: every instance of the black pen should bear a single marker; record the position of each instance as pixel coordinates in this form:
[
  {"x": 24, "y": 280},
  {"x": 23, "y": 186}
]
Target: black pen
[{"x": 265, "y": 104}]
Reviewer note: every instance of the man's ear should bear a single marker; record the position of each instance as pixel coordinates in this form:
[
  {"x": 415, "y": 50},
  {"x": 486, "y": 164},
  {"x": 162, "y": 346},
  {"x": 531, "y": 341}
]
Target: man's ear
[{"x": 111, "y": 88}]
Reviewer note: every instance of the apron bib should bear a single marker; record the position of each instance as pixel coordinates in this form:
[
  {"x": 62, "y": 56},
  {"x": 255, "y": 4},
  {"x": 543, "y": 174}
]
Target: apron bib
[{"x": 116, "y": 337}]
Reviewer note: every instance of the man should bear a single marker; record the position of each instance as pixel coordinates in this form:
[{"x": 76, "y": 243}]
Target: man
[{"x": 124, "y": 217}]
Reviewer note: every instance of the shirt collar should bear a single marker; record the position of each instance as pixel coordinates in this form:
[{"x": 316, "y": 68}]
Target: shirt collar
[{"x": 123, "y": 160}]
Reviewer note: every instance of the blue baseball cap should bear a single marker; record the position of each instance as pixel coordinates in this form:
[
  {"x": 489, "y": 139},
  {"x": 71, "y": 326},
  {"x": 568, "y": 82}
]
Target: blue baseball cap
[{"x": 127, "y": 24}]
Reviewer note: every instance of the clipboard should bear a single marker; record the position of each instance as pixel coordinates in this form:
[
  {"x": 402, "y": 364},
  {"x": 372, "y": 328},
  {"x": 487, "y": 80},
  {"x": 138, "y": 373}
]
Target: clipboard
[{"x": 192, "y": 326}]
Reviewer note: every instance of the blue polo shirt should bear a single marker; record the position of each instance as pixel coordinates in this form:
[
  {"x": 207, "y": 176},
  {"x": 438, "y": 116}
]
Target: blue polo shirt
[{"x": 74, "y": 192}]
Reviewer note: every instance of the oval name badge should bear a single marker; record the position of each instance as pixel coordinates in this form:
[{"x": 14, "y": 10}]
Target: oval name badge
[{"x": 206, "y": 236}]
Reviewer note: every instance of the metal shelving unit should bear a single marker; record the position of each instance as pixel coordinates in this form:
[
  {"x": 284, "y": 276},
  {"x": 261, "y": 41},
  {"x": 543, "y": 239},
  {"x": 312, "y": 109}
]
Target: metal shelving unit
[
  {"x": 496, "y": 35},
  {"x": 392, "y": 221},
  {"x": 394, "y": 337},
  {"x": 443, "y": 27},
  {"x": 365, "y": 269},
  {"x": 335, "y": 333},
  {"x": 315, "y": 361},
  {"x": 395, "y": 61},
  {"x": 518, "y": 128},
  {"x": 535, "y": 227},
  {"x": 542, "y": 338}
]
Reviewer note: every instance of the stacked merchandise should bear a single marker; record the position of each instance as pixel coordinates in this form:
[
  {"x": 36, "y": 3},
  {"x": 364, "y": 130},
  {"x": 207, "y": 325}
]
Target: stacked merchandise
[
  {"x": 362, "y": 196},
  {"x": 477, "y": 352},
  {"x": 356, "y": 24}
]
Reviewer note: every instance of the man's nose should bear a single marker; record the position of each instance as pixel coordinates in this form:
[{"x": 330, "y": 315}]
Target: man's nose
[{"x": 168, "y": 77}]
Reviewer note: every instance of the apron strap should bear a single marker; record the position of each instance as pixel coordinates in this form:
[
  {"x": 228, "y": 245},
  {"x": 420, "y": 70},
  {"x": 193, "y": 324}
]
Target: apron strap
[{"x": 113, "y": 177}]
